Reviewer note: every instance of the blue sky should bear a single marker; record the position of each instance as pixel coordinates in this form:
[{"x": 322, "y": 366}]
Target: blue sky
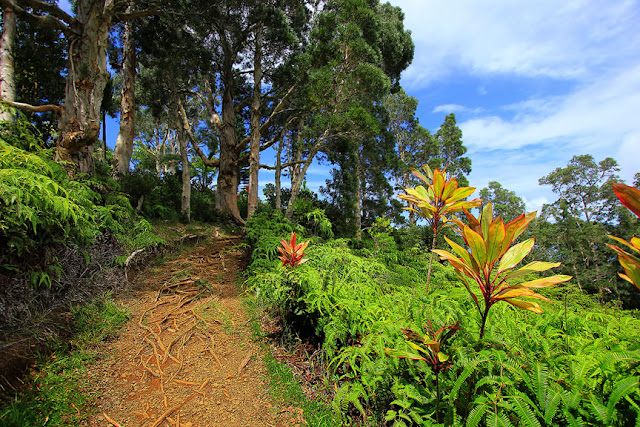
[{"x": 531, "y": 83}]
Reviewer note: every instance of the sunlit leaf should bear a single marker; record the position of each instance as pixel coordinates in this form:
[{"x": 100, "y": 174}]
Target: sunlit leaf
[
  {"x": 629, "y": 196},
  {"x": 403, "y": 354},
  {"x": 515, "y": 254},
  {"x": 544, "y": 282},
  {"x": 532, "y": 267},
  {"x": 526, "y": 305},
  {"x": 494, "y": 240},
  {"x": 476, "y": 244}
]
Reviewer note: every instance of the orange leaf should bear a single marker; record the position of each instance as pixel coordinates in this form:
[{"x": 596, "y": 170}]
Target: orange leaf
[
  {"x": 629, "y": 196},
  {"x": 544, "y": 282},
  {"x": 526, "y": 305}
]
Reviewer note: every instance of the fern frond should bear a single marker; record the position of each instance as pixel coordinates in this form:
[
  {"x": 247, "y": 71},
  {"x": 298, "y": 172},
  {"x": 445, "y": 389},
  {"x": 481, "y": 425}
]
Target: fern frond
[
  {"x": 622, "y": 389},
  {"x": 476, "y": 414}
]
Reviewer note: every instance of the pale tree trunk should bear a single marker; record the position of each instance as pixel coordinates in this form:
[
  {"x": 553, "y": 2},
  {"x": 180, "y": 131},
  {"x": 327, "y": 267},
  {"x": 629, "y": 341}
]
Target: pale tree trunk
[
  {"x": 299, "y": 171},
  {"x": 124, "y": 143},
  {"x": 254, "y": 155},
  {"x": 297, "y": 180},
  {"x": 359, "y": 190},
  {"x": 7, "y": 69},
  {"x": 185, "y": 199},
  {"x": 79, "y": 123},
  {"x": 278, "y": 175}
]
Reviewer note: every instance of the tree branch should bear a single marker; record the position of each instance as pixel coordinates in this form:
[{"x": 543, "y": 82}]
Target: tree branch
[
  {"x": 285, "y": 165},
  {"x": 49, "y": 21},
  {"x": 265, "y": 126},
  {"x": 52, "y": 10},
  {"x": 33, "y": 108},
  {"x": 128, "y": 16}
]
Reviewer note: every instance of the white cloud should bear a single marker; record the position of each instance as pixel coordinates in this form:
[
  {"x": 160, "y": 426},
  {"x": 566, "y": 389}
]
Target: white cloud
[
  {"x": 542, "y": 38},
  {"x": 539, "y": 135},
  {"x": 595, "y": 117},
  {"x": 455, "y": 108}
]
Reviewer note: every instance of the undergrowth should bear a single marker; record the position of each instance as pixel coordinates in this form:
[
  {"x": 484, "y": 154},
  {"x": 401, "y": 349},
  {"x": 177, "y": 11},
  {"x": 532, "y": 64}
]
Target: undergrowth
[
  {"x": 576, "y": 364},
  {"x": 54, "y": 394}
]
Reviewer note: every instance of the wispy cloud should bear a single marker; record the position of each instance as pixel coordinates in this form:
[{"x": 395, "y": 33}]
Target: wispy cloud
[
  {"x": 543, "y": 38},
  {"x": 455, "y": 108},
  {"x": 598, "y": 119}
]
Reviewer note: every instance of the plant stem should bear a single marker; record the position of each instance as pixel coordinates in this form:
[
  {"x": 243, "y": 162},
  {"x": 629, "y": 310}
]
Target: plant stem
[
  {"x": 433, "y": 246},
  {"x": 484, "y": 318},
  {"x": 437, "y": 398}
]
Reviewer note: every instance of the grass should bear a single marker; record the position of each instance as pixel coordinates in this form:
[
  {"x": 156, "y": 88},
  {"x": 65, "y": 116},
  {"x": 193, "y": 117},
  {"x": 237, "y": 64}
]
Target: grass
[
  {"x": 284, "y": 386},
  {"x": 53, "y": 394}
]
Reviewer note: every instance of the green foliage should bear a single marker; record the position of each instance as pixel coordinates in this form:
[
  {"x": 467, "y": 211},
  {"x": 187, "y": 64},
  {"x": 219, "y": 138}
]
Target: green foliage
[
  {"x": 40, "y": 207},
  {"x": 576, "y": 365},
  {"x": 51, "y": 394}
]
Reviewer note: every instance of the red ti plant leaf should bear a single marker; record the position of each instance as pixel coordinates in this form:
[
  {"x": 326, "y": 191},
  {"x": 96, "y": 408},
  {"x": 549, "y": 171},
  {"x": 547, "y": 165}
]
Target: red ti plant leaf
[
  {"x": 629, "y": 196},
  {"x": 629, "y": 260},
  {"x": 491, "y": 260},
  {"x": 292, "y": 253}
]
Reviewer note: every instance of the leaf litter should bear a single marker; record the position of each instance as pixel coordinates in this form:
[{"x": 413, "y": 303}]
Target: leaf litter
[{"x": 186, "y": 358}]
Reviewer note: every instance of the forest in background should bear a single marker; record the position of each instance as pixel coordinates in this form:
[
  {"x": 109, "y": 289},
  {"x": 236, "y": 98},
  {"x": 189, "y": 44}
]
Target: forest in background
[{"x": 202, "y": 88}]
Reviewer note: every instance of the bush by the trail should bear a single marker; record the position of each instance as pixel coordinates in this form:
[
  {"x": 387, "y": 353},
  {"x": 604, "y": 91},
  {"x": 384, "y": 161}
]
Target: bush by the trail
[{"x": 59, "y": 237}]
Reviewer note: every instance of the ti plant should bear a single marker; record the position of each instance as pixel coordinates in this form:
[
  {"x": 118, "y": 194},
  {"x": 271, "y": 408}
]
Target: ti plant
[
  {"x": 427, "y": 349},
  {"x": 292, "y": 253},
  {"x": 490, "y": 262},
  {"x": 440, "y": 197},
  {"x": 630, "y": 261}
]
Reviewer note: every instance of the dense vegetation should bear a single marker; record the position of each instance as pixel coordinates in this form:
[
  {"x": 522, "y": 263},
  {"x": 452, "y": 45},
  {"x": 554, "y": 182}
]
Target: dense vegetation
[
  {"x": 365, "y": 306},
  {"x": 416, "y": 323}
]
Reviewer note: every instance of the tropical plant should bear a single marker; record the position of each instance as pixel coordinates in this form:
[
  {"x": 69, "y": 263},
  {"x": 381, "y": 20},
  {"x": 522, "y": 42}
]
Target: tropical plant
[
  {"x": 439, "y": 198},
  {"x": 428, "y": 348},
  {"x": 292, "y": 253},
  {"x": 491, "y": 259},
  {"x": 630, "y": 197}
]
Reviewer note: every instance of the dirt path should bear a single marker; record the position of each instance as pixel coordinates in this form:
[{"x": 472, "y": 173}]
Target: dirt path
[{"x": 186, "y": 358}]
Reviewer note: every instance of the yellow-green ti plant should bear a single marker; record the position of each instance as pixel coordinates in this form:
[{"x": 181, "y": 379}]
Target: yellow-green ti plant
[
  {"x": 630, "y": 261},
  {"x": 436, "y": 201},
  {"x": 428, "y": 349},
  {"x": 491, "y": 260}
]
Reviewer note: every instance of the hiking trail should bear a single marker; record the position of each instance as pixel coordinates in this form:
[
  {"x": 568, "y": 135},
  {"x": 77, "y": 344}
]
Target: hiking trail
[{"x": 186, "y": 357}]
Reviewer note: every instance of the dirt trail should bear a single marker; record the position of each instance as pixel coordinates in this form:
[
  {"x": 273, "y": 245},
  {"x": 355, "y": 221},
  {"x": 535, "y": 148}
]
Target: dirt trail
[{"x": 186, "y": 358}]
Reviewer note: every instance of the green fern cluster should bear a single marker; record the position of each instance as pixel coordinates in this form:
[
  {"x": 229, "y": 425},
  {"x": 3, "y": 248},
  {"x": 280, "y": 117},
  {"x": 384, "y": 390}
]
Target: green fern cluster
[
  {"x": 578, "y": 364},
  {"x": 41, "y": 207}
]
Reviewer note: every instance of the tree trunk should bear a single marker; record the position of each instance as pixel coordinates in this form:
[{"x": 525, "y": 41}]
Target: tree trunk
[
  {"x": 358, "y": 206},
  {"x": 254, "y": 155},
  {"x": 104, "y": 136},
  {"x": 297, "y": 178},
  {"x": 124, "y": 143},
  {"x": 7, "y": 69},
  {"x": 185, "y": 199},
  {"x": 278, "y": 175},
  {"x": 79, "y": 124},
  {"x": 228, "y": 174}
]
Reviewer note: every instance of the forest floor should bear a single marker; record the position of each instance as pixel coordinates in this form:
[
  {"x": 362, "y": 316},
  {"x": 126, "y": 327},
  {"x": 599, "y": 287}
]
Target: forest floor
[{"x": 187, "y": 356}]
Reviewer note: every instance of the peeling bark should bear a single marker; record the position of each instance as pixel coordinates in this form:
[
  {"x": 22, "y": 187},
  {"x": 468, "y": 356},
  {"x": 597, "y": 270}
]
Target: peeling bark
[
  {"x": 254, "y": 156},
  {"x": 124, "y": 143},
  {"x": 7, "y": 68},
  {"x": 228, "y": 175},
  {"x": 79, "y": 123}
]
